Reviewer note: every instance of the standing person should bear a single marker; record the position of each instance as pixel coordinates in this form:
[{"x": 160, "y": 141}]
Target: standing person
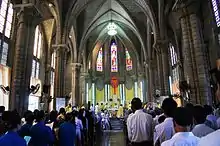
[
  {"x": 211, "y": 119},
  {"x": 139, "y": 125},
  {"x": 41, "y": 135},
  {"x": 79, "y": 129},
  {"x": 2, "y": 130},
  {"x": 12, "y": 121},
  {"x": 211, "y": 139},
  {"x": 67, "y": 132},
  {"x": 69, "y": 108},
  {"x": 120, "y": 112},
  {"x": 97, "y": 108},
  {"x": 200, "y": 129},
  {"x": 183, "y": 120},
  {"x": 165, "y": 130},
  {"x": 25, "y": 129}
]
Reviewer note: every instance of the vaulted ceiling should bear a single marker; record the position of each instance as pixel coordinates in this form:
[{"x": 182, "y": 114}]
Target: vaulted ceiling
[{"x": 86, "y": 21}]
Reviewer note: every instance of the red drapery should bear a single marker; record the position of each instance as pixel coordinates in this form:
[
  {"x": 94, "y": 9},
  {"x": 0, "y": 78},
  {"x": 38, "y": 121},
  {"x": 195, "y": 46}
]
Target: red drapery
[{"x": 114, "y": 84}]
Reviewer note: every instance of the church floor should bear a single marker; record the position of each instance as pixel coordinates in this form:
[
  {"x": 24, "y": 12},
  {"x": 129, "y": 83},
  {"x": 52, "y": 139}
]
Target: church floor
[{"x": 112, "y": 138}]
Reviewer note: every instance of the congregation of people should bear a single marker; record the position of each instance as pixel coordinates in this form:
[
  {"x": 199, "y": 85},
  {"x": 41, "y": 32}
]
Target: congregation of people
[
  {"x": 71, "y": 126},
  {"x": 145, "y": 125},
  {"x": 192, "y": 125}
]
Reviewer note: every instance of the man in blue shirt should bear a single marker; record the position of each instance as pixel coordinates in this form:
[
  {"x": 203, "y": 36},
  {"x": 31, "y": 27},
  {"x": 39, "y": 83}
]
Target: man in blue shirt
[
  {"x": 41, "y": 135},
  {"x": 67, "y": 132},
  {"x": 12, "y": 122}
]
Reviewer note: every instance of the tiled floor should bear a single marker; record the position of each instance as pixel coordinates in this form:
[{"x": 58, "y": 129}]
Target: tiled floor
[{"x": 112, "y": 138}]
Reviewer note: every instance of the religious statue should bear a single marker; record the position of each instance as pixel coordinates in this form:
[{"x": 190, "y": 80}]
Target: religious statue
[{"x": 216, "y": 71}]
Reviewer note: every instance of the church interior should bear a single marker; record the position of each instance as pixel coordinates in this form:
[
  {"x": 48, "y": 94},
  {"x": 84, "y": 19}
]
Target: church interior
[{"x": 88, "y": 52}]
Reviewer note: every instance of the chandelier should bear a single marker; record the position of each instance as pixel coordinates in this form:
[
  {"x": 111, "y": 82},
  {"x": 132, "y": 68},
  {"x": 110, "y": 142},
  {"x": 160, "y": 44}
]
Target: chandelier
[{"x": 112, "y": 29}]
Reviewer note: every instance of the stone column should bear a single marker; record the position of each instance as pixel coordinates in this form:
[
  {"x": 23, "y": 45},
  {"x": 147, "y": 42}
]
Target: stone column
[
  {"x": 75, "y": 83},
  {"x": 202, "y": 74},
  {"x": 22, "y": 60},
  {"x": 59, "y": 71},
  {"x": 187, "y": 59},
  {"x": 165, "y": 69},
  {"x": 159, "y": 79}
]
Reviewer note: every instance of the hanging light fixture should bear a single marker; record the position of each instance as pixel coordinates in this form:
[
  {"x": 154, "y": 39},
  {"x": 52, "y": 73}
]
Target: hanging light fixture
[
  {"x": 112, "y": 29},
  {"x": 111, "y": 26}
]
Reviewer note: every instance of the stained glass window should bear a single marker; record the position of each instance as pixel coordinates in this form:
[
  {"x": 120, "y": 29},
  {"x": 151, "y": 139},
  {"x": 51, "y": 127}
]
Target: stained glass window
[
  {"x": 36, "y": 54},
  {"x": 173, "y": 55},
  {"x": 37, "y": 43},
  {"x": 53, "y": 60},
  {"x": 99, "y": 65},
  {"x": 216, "y": 11},
  {"x": 175, "y": 70},
  {"x": 6, "y": 15},
  {"x": 114, "y": 57},
  {"x": 128, "y": 60}
]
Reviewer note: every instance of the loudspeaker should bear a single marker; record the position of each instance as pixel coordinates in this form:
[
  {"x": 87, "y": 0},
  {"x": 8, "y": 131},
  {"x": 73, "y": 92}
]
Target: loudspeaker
[{"x": 46, "y": 89}]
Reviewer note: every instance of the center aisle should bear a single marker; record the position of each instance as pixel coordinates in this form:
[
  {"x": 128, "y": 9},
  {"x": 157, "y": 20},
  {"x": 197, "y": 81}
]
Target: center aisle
[{"x": 112, "y": 138}]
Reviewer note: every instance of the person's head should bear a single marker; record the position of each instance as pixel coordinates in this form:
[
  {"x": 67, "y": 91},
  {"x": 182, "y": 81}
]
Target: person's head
[
  {"x": 68, "y": 117},
  {"x": 161, "y": 119},
  {"x": 101, "y": 103},
  {"x": 69, "y": 104},
  {"x": 29, "y": 117},
  {"x": 189, "y": 106},
  {"x": 2, "y": 109},
  {"x": 62, "y": 111},
  {"x": 53, "y": 116},
  {"x": 97, "y": 103},
  {"x": 12, "y": 120},
  {"x": 106, "y": 103},
  {"x": 199, "y": 114},
  {"x": 121, "y": 105},
  {"x": 136, "y": 104},
  {"x": 40, "y": 116},
  {"x": 168, "y": 106},
  {"x": 182, "y": 119},
  {"x": 208, "y": 110}
]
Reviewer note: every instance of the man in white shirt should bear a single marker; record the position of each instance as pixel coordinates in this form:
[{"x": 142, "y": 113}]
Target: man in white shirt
[
  {"x": 200, "y": 128},
  {"x": 97, "y": 108},
  {"x": 165, "y": 130},
  {"x": 211, "y": 139},
  {"x": 182, "y": 122},
  {"x": 139, "y": 125}
]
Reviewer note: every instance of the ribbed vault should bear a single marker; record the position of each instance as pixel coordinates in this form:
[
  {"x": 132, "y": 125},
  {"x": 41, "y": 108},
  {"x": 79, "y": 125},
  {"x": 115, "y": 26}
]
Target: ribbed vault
[{"x": 92, "y": 27}]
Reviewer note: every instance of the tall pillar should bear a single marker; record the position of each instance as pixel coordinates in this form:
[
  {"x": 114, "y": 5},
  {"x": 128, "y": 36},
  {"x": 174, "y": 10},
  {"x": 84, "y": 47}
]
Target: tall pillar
[
  {"x": 202, "y": 73},
  {"x": 160, "y": 85},
  {"x": 23, "y": 59},
  {"x": 59, "y": 71},
  {"x": 149, "y": 85},
  {"x": 165, "y": 68},
  {"x": 75, "y": 83},
  {"x": 187, "y": 59}
]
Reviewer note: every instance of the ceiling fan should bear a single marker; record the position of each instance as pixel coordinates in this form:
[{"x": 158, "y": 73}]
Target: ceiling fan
[
  {"x": 34, "y": 89},
  {"x": 5, "y": 90}
]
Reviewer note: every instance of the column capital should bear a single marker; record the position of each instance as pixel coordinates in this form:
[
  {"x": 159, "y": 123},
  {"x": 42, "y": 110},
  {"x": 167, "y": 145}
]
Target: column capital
[
  {"x": 59, "y": 47},
  {"x": 161, "y": 46},
  {"x": 76, "y": 65},
  {"x": 34, "y": 8}
]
